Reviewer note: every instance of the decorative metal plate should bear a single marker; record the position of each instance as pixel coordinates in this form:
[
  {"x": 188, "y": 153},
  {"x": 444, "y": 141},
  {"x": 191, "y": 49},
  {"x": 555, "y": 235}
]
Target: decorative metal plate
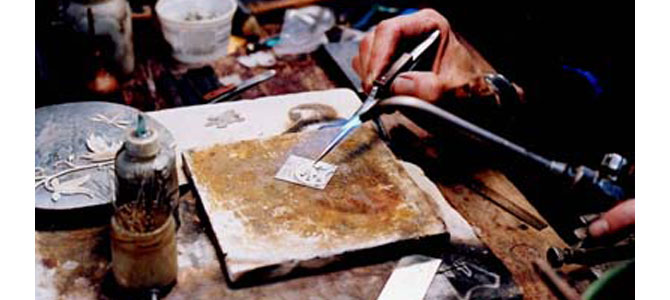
[
  {"x": 75, "y": 146},
  {"x": 302, "y": 171}
]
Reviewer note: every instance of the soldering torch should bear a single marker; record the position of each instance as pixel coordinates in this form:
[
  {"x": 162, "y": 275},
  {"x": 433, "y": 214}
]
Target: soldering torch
[{"x": 603, "y": 186}]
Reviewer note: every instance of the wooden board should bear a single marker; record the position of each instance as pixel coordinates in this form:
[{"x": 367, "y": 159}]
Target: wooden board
[
  {"x": 263, "y": 223},
  {"x": 511, "y": 240}
]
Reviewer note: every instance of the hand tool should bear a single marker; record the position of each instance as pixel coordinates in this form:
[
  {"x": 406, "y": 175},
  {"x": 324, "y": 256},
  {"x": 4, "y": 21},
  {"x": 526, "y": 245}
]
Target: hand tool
[
  {"x": 245, "y": 85},
  {"x": 200, "y": 86},
  {"x": 216, "y": 93},
  {"x": 557, "y": 257},
  {"x": 406, "y": 62}
]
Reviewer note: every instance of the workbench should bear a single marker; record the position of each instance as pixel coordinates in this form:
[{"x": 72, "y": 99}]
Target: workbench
[{"x": 75, "y": 263}]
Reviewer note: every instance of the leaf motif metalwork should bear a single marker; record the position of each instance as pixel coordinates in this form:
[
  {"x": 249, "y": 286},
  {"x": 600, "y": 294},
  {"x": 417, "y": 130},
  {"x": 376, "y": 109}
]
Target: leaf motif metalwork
[
  {"x": 71, "y": 187},
  {"x": 224, "y": 119},
  {"x": 113, "y": 120},
  {"x": 100, "y": 149}
]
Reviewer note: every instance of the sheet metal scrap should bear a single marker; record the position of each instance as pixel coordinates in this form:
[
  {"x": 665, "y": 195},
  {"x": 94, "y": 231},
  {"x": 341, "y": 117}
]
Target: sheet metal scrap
[{"x": 302, "y": 171}]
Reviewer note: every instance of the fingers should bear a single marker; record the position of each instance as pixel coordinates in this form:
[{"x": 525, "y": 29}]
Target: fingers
[
  {"x": 423, "y": 85},
  {"x": 355, "y": 63},
  {"x": 389, "y": 32},
  {"x": 377, "y": 48},
  {"x": 360, "y": 61},
  {"x": 616, "y": 219}
]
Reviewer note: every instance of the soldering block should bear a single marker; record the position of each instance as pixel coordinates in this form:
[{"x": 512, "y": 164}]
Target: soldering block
[{"x": 267, "y": 228}]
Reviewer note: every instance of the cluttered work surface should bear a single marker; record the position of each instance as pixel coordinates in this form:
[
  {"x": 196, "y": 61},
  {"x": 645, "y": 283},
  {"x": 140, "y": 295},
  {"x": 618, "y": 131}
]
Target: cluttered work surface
[{"x": 75, "y": 263}]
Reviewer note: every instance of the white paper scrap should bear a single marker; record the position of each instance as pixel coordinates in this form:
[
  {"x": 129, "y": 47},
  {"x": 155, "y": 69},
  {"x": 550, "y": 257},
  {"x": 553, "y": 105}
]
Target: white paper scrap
[{"x": 411, "y": 278}]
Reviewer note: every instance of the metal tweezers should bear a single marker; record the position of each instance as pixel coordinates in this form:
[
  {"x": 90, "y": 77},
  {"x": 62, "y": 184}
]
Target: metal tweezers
[{"x": 405, "y": 63}]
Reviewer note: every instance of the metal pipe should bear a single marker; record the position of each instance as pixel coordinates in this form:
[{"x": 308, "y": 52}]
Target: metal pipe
[{"x": 481, "y": 133}]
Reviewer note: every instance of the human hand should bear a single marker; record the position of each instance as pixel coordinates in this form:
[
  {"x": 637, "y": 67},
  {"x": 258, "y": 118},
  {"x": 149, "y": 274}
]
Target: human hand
[
  {"x": 456, "y": 62},
  {"x": 616, "y": 219}
]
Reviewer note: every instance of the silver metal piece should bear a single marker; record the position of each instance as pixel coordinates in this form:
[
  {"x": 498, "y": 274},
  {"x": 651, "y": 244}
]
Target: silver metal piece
[
  {"x": 224, "y": 119},
  {"x": 491, "y": 78},
  {"x": 588, "y": 218},
  {"x": 256, "y": 79},
  {"x": 306, "y": 172},
  {"x": 581, "y": 233},
  {"x": 369, "y": 102},
  {"x": 558, "y": 167},
  {"x": 421, "y": 48},
  {"x": 613, "y": 162}
]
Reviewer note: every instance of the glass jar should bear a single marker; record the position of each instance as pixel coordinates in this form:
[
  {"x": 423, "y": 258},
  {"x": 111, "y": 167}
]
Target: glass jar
[{"x": 112, "y": 19}]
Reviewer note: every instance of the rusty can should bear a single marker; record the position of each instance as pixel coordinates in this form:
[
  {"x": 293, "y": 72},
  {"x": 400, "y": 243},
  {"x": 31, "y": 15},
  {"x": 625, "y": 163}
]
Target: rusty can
[{"x": 144, "y": 260}]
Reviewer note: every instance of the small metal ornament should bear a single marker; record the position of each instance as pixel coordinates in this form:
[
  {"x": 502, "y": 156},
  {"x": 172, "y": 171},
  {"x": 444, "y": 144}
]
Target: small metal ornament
[{"x": 303, "y": 171}]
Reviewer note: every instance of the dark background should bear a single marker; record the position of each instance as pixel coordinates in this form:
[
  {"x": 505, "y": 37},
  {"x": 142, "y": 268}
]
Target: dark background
[
  {"x": 575, "y": 63},
  {"x": 573, "y": 59}
]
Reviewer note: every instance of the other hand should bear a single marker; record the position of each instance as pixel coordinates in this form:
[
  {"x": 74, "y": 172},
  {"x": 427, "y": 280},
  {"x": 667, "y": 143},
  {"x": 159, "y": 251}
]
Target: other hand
[{"x": 621, "y": 217}]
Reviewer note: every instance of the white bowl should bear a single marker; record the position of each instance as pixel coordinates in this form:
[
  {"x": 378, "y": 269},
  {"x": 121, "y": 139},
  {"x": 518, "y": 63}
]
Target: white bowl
[{"x": 197, "y": 30}]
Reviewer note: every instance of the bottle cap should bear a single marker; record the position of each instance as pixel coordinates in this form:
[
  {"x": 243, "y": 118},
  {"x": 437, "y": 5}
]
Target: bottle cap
[{"x": 141, "y": 141}]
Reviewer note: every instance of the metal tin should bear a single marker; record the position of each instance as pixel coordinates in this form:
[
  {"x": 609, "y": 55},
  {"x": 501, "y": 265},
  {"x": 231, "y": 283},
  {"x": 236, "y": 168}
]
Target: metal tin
[{"x": 147, "y": 260}]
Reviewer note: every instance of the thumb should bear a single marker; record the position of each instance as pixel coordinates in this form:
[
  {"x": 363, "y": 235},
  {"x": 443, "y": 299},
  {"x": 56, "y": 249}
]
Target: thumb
[
  {"x": 424, "y": 85},
  {"x": 618, "y": 218}
]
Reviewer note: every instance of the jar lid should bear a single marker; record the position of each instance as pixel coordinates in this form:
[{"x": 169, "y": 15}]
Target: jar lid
[{"x": 143, "y": 146}]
